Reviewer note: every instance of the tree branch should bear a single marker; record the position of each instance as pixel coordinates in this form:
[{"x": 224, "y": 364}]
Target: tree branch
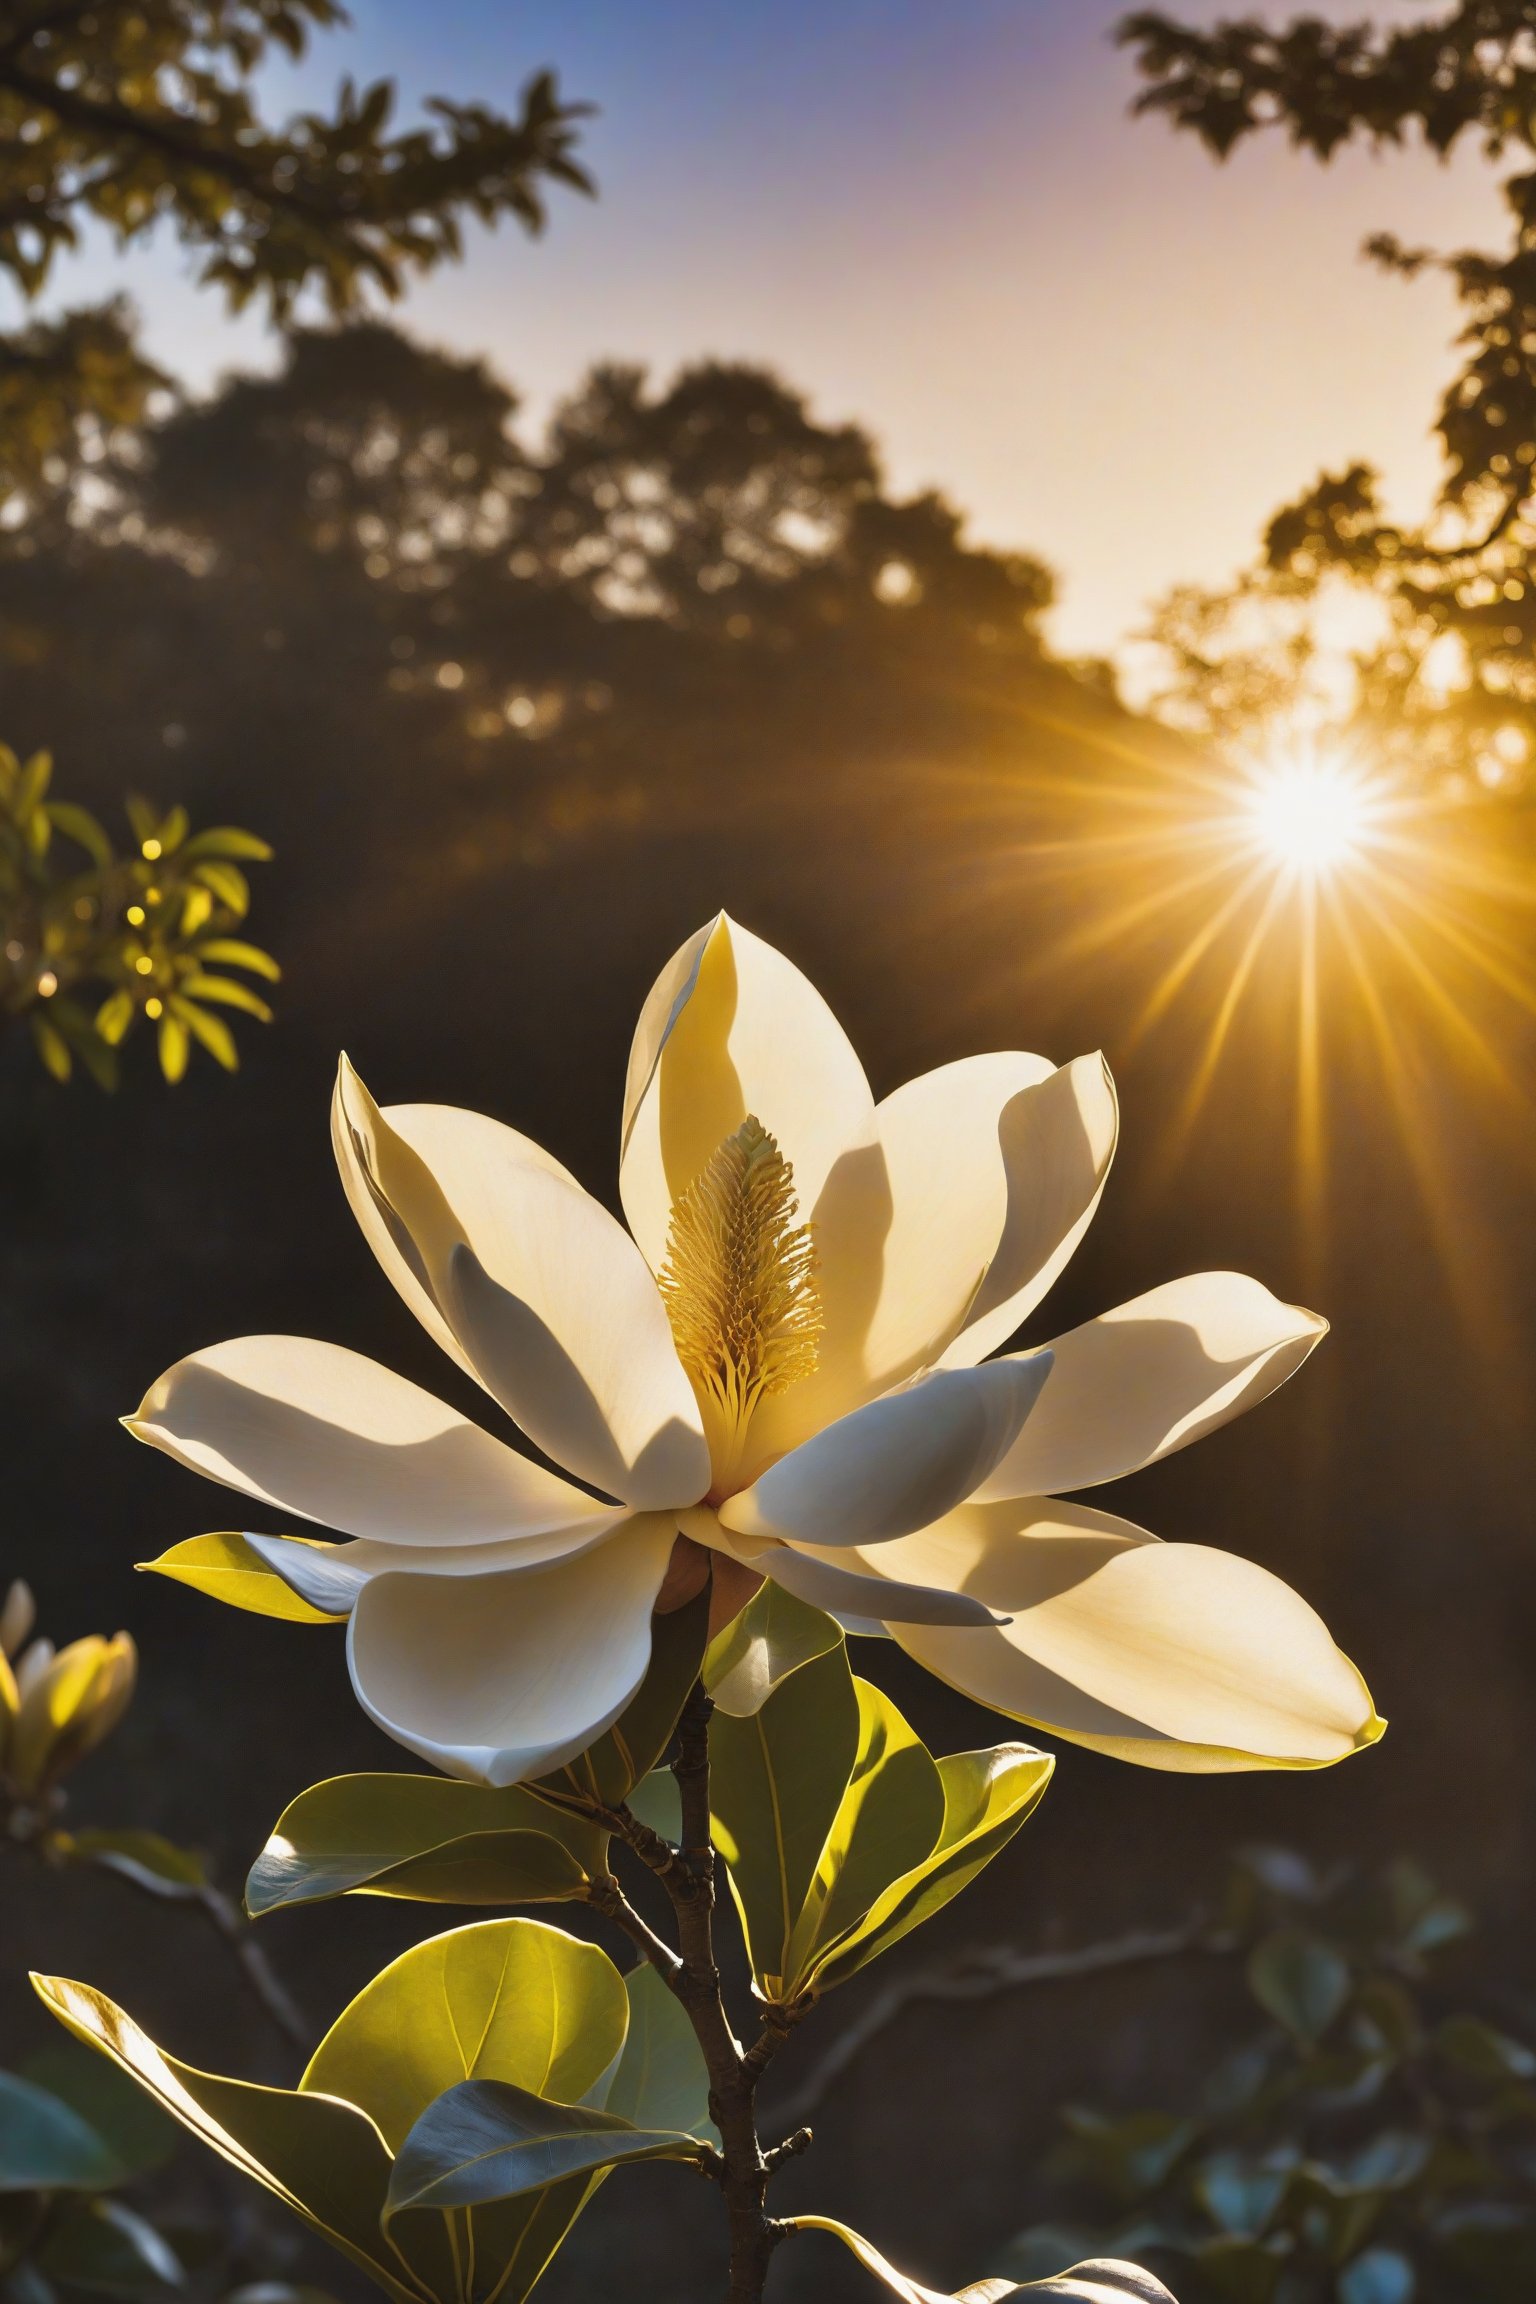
[
  {"x": 986, "y": 1972},
  {"x": 607, "y": 1897}
]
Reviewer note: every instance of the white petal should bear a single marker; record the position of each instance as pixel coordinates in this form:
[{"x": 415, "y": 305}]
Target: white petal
[
  {"x": 732, "y": 1027},
  {"x": 874, "y": 1600},
  {"x": 943, "y": 1138},
  {"x": 1174, "y": 1655},
  {"x": 1057, "y": 1141},
  {"x": 1148, "y": 1378},
  {"x": 504, "y": 1677},
  {"x": 895, "y": 1465},
  {"x": 330, "y": 1576},
  {"x": 545, "y": 1297},
  {"x": 333, "y": 1437}
]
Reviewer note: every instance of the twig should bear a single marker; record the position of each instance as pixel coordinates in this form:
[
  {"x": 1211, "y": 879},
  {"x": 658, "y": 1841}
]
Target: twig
[
  {"x": 258, "y": 1971},
  {"x": 607, "y": 1897},
  {"x": 980, "y": 1975}
]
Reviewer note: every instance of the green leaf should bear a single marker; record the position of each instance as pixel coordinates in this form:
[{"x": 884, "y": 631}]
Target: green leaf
[
  {"x": 45, "y": 2145},
  {"x": 661, "y": 2081},
  {"x": 51, "y": 1046},
  {"x": 1103, "y": 2280},
  {"x": 888, "y": 1821},
  {"x": 777, "y": 1782},
  {"x": 426, "y": 1838},
  {"x": 174, "y": 1048},
  {"x": 233, "y": 952},
  {"x": 211, "y": 1032},
  {"x": 229, "y": 841},
  {"x": 987, "y": 1797},
  {"x": 621, "y": 1759},
  {"x": 105, "y": 2247},
  {"x": 143, "y": 1857},
  {"x": 484, "y": 2141},
  {"x": 227, "y": 993},
  {"x": 1300, "y": 1979},
  {"x": 228, "y": 883},
  {"x": 509, "y": 2000},
  {"x": 224, "y": 1566},
  {"x": 79, "y": 825},
  {"x": 657, "y": 1802},
  {"x": 758, "y": 1650},
  {"x": 325, "y": 2160},
  {"x": 114, "y": 1016}
]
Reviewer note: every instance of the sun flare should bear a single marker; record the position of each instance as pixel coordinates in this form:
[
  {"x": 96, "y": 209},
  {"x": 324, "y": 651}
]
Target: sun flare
[{"x": 1312, "y": 816}]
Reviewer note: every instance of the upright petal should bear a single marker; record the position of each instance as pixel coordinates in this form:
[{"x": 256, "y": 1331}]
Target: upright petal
[
  {"x": 1172, "y": 1655},
  {"x": 1057, "y": 1141},
  {"x": 896, "y": 1465},
  {"x": 732, "y": 1027},
  {"x": 1148, "y": 1378},
  {"x": 503, "y": 1677},
  {"x": 329, "y": 1435},
  {"x": 544, "y": 1296}
]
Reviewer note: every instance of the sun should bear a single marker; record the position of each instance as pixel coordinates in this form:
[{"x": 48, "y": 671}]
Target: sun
[{"x": 1311, "y": 817}]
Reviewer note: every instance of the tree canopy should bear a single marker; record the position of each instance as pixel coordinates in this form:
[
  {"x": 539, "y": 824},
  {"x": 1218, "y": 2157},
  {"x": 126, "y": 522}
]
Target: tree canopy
[{"x": 1464, "y": 577}]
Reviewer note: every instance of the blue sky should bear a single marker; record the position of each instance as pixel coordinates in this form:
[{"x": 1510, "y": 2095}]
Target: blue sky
[{"x": 936, "y": 219}]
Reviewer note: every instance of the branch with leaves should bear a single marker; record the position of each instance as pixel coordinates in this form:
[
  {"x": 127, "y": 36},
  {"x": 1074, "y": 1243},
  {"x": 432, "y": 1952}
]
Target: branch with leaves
[{"x": 92, "y": 943}]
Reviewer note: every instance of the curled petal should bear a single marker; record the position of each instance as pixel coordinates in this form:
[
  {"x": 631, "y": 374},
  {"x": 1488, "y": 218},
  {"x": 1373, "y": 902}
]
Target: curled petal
[
  {"x": 1057, "y": 1141},
  {"x": 333, "y": 1437},
  {"x": 330, "y": 1576},
  {"x": 729, "y": 1028},
  {"x": 1174, "y": 1655},
  {"x": 503, "y": 1677},
  {"x": 1148, "y": 1378},
  {"x": 862, "y": 1600},
  {"x": 895, "y": 1465}
]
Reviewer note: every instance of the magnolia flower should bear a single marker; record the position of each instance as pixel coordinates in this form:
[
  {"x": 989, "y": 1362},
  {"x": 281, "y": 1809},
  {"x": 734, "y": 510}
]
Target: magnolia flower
[
  {"x": 55, "y": 1705},
  {"x": 785, "y": 1361}
]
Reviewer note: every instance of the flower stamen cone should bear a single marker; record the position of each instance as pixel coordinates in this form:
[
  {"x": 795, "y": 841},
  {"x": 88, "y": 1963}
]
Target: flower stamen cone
[{"x": 739, "y": 1284}]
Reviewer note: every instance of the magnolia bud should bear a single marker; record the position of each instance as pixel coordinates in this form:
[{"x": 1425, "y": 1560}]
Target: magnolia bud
[
  {"x": 17, "y": 1617},
  {"x": 66, "y": 1705}
]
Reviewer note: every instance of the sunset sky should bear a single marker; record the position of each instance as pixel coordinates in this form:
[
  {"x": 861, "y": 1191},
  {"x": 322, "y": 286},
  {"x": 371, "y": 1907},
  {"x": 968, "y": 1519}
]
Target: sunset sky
[{"x": 940, "y": 221}]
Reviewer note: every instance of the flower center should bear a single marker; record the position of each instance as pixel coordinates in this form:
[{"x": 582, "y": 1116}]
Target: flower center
[{"x": 739, "y": 1284}]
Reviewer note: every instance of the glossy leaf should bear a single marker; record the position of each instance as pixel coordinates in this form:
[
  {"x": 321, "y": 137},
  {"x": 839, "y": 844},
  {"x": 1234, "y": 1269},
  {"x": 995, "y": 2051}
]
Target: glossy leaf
[
  {"x": 485, "y": 2141},
  {"x": 45, "y": 2145},
  {"x": 225, "y": 1567},
  {"x": 774, "y": 1635},
  {"x": 427, "y": 1838},
  {"x": 509, "y": 2000},
  {"x": 1103, "y": 2280},
  {"x": 987, "y": 1796},
  {"x": 638, "y": 1739},
  {"x": 325, "y": 2160},
  {"x": 661, "y": 2081},
  {"x": 888, "y": 1821},
  {"x": 777, "y": 1782}
]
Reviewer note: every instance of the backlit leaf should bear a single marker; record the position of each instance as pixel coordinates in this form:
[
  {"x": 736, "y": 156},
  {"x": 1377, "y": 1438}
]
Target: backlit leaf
[
  {"x": 771, "y": 1638},
  {"x": 427, "y": 1838},
  {"x": 661, "y": 2081}
]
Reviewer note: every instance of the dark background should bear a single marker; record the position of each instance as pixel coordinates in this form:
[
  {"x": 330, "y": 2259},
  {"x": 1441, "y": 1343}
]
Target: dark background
[{"x": 954, "y": 836}]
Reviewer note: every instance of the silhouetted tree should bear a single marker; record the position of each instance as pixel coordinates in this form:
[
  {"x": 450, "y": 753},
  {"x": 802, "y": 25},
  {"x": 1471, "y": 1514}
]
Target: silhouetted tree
[{"x": 1466, "y": 577}]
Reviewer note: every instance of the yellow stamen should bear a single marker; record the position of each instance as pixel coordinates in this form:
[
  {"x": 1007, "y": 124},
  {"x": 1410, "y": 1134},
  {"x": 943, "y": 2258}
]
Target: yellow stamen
[{"x": 739, "y": 1283}]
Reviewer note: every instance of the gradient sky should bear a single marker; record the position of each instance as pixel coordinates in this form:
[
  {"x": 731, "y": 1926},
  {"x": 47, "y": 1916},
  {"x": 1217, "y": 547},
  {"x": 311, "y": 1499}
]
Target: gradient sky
[{"x": 935, "y": 217}]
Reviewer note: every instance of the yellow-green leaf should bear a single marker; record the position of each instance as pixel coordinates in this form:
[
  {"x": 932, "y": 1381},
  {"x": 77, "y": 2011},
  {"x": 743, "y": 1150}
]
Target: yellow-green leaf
[
  {"x": 889, "y": 1820},
  {"x": 325, "y": 2160},
  {"x": 771, "y": 1638},
  {"x": 661, "y": 2081},
  {"x": 987, "y": 1796},
  {"x": 228, "y": 993},
  {"x": 234, "y": 952},
  {"x": 512, "y": 2000},
  {"x": 777, "y": 1781},
  {"x": 210, "y": 1031},
  {"x": 426, "y": 1838},
  {"x": 226, "y": 1567},
  {"x": 175, "y": 1047}
]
